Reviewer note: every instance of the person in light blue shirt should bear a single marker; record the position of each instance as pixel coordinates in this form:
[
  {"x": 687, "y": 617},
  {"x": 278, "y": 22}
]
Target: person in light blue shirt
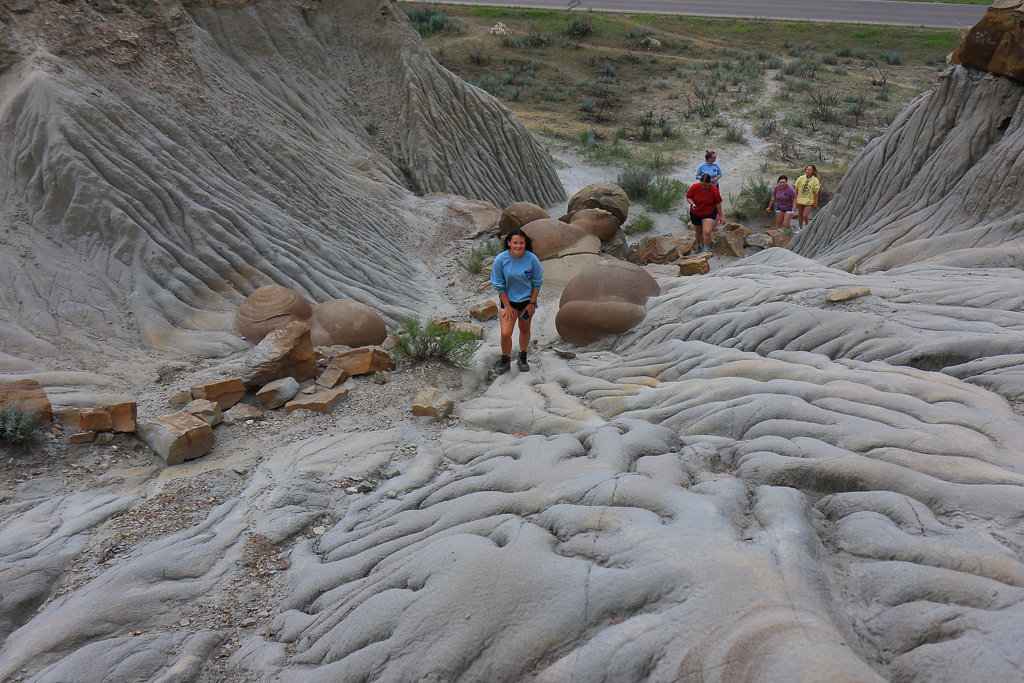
[
  {"x": 711, "y": 167},
  {"x": 517, "y": 277}
]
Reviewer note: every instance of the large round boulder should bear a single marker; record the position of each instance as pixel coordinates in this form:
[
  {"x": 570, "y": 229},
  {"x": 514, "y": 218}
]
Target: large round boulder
[
  {"x": 267, "y": 309},
  {"x": 607, "y": 196},
  {"x": 552, "y": 238},
  {"x": 597, "y": 222},
  {"x": 348, "y": 322},
  {"x": 606, "y": 298},
  {"x": 339, "y": 321},
  {"x": 519, "y": 214}
]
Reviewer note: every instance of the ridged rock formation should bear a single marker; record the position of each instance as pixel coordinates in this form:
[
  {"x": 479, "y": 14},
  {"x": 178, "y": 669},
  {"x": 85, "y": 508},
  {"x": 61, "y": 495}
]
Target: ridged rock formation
[
  {"x": 154, "y": 172},
  {"x": 941, "y": 185}
]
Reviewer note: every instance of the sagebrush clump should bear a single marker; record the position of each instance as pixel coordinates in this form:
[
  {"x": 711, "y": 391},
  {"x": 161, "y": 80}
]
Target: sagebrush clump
[
  {"x": 415, "y": 343},
  {"x": 17, "y": 423}
]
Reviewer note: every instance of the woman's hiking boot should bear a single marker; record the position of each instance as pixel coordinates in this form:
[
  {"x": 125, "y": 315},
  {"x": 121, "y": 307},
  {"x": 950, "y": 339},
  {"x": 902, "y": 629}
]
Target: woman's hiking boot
[
  {"x": 521, "y": 362},
  {"x": 504, "y": 365}
]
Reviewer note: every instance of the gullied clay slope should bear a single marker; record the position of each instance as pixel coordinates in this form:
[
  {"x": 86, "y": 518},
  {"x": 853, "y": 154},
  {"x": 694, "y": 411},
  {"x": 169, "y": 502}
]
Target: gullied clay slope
[
  {"x": 154, "y": 173},
  {"x": 942, "y": 185}
]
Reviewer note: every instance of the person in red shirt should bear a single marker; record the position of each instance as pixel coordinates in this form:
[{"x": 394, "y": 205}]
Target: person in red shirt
[{"x": 705, "y": 211}]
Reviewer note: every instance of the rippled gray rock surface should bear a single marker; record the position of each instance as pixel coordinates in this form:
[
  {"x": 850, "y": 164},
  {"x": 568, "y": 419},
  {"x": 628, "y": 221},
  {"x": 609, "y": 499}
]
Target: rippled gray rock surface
[{"x": 755, "y": 483}]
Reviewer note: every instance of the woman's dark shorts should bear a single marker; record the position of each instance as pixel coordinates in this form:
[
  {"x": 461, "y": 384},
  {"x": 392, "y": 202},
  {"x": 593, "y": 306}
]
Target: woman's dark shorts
[
  {"x": 518, "y": 305},
  {"x": 697, "y": 219}
]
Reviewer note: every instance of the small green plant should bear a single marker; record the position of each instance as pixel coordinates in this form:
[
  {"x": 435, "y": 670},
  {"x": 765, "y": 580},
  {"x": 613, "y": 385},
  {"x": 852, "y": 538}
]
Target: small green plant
[
  {"x": 474, "y": 263},
  {"x": 892, "y": 58},
  {"x": 755, "y": 193},
  {"x": 640, "y": 223},
  {"x": 492, "y": 246},
  {"x": 415, "y": 343},
  {"x": 664, "y": 193},
  {"x": 635, "y": 181},
  {"x": 17, "y": 423},
  {"x": 579, "y": 26},
  {"x": 428, "y": 21},
  {"x": 734, "y": 133}
]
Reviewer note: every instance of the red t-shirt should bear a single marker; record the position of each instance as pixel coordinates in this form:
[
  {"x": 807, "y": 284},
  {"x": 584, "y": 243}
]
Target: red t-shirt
[{"x": 705, "y": 201}]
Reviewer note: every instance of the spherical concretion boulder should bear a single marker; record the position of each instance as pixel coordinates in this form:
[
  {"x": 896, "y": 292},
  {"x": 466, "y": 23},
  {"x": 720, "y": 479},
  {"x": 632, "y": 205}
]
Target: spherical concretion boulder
[
  {"x": 348, "y": 322},
  {"x": 268, "y": 308},
  {"x": 519, "y": 214},
  {"x": 995, "y": 43},
  {"x": 607, "y": 196},
  {"x": 585, "y": 322},
  {"x": 597, "y": 222},
  {"x": 612, "y": 280},
  {"x": 604, "y": 299},
  {"x": 552, "y": 238}
]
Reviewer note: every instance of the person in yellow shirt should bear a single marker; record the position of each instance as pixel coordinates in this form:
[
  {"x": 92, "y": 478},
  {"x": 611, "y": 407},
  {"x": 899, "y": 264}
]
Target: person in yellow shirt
[{"x": 807, "y": 187}]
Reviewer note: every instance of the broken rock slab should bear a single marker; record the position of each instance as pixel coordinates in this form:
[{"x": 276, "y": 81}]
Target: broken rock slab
[
  {"x": 847, "y": 293},
  {"x": 177, "y": 437},
  {"x": 321, "y": 402},
  {"x": 124, "y": 416},
  {"x": 285, "y": 352},
  {"x": 696, "y": 264},
  {"x": 485, "y": 311},
  {"x": 475, "y": 329},
  {"x": 29, "y": 395},
  {"x": 432, "y": 402},
  {"x": 277, "y": 393},
  {"x": 225, "y": 393},
  {"x": 95, "y": 420},
  {"x": 242, "y": 412},
  {"x": 363, "y": 361},
  {"x": 207, "y": 411}
]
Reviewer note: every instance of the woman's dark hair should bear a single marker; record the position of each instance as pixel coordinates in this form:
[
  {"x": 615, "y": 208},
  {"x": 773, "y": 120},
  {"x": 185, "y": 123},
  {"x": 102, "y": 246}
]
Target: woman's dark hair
[
  {"x": 705, "y": 178},
  {"x": 781, "y": 177},
  {"x": 708, "y": 154},
  {"x": 520, "y": 233}
]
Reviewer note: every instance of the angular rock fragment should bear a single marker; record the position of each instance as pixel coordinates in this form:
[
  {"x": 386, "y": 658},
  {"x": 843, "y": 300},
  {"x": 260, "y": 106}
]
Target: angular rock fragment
[
  {"x": 242, "y": 412},
  {"x": 847, "y": 293},
  {"x": 177, "y": 437},
  {"x": 27, "y": 394},
  {"x": 320, "y": 402},
  {"x": 660, "y": 249},
  {"x": 363, "y": 361},
  {"x": 123, "y": 415},
  {"x": 207, "y": 411},
  {"x": 95, "y": 420},
  {"x": 485, "y": 311},
  {"x": 696, "y": 264},
  {"x": 332, "y": 376},
  {"x": 729, "y": 243},
  {"x": 82, "y": 437},
  {"x": 779, "y": 237},
  {"x": 275, "y": 394},
  {"x": 475, "y": 329},
  {"x": 285, "y": 352},
  {"x": 432, "y": 402},
  {"x": 225, "y": 393}
]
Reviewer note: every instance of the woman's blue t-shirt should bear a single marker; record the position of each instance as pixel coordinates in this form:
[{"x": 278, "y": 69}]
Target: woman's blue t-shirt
[{"x": 517, "y": 277}]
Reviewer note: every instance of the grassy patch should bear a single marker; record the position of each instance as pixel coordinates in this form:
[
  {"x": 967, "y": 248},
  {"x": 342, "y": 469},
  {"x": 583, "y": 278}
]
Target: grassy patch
[{"x": 415, "y": 343}]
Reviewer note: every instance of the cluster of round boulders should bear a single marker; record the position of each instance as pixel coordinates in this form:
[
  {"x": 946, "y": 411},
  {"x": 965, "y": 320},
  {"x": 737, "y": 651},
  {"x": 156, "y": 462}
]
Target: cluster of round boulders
[
  {"x": 595, "y": 215},
  {"x": 339, "y": 321},
  {"x": 519, "y": 214},
  {"x": 606, "y": 298}
]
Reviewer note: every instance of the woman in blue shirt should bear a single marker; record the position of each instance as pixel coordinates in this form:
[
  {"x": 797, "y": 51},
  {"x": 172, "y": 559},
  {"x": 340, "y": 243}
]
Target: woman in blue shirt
[
  {"x": 711, "y": 167},
  {"x": 517, "y": 277}
]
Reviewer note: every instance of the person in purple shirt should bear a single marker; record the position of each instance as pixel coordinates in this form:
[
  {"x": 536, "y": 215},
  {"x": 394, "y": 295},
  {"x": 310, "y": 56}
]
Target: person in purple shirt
[{"x": 782, "y": 199}]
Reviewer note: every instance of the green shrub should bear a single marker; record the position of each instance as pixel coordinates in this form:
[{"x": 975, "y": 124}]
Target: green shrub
[
  {"x": 892, "y": 58},
  {"x": 414, "y": 343},
  {"x": 474, "y": 263},
  {"x": 635, "y": 181},
  {"x": 579, "y": 26},
  {"x": 429, "y": 21},
  {"x": 734, "y": 133},
  {"x": 845, "y": 52},
  {"x": 588, "y": 106},
  {"x": 17, "y": 423},
  {"x": 640, "y": 223},
  {"x": 664, "y": 193},
  {"x": 755, "y": 193}
]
